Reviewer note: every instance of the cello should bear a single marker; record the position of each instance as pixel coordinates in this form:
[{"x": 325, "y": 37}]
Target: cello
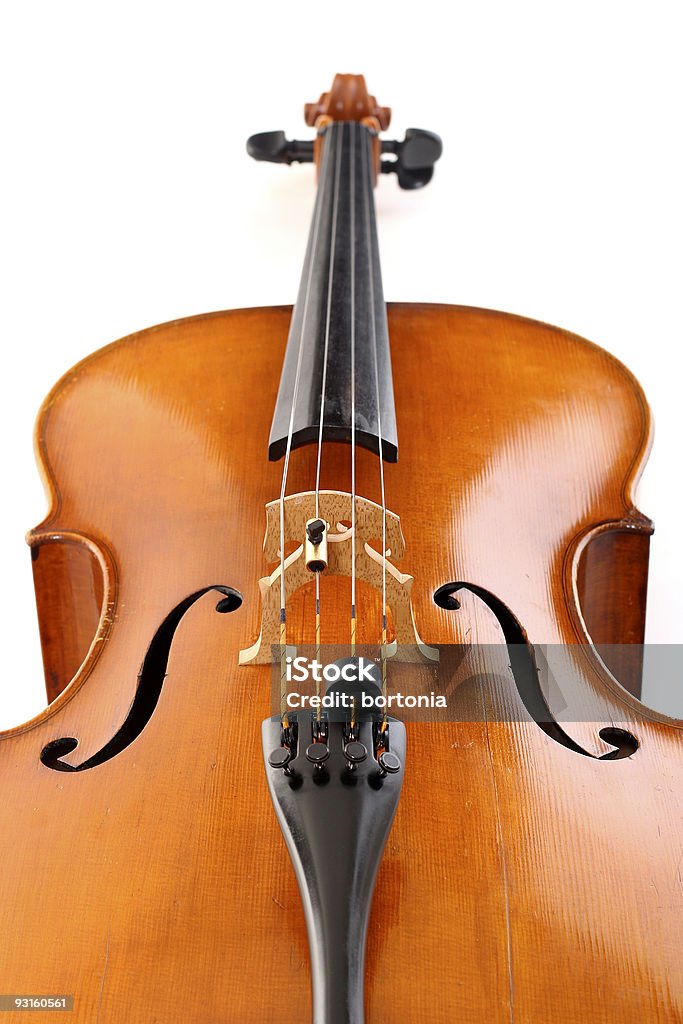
[{"x": 485, "y": 824}]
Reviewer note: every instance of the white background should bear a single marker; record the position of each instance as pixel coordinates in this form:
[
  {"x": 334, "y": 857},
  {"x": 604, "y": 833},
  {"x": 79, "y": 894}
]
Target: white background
[{"x": 127, "y": 198}]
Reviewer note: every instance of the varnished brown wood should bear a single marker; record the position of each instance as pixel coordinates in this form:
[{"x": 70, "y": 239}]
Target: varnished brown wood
[
  {"x": 522, "y": 881},
  {"x": 348, "y": 100},
  {"x": 612, "y": 588},
  {"x": 68, "y": 585}
]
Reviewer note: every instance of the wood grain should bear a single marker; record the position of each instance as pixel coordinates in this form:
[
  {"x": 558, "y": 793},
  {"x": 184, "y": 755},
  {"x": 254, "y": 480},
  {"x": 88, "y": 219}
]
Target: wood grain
[{"x": 522, "y": 881}]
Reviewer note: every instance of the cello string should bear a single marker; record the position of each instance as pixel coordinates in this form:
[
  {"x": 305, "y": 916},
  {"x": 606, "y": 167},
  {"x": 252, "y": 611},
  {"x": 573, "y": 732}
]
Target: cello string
[
  {"x": 352, "y": 275},
  {"x": 352, "y": 300},
  {"x": 328, "y": 320},
  {"x": 328, "y": 314},
  {"x": 290, "y": 431},
  {"x": 370, "y": 184}
]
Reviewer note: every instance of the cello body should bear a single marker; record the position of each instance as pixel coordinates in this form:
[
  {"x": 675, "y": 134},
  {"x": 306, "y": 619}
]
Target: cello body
[{"x": 525, "y": 877}]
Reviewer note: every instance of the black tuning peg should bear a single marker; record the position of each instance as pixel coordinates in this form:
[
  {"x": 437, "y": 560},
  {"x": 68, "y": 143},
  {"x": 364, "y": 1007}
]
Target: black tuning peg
[
  {"x": 277, "y": 149},
  {"x": 415, "y": 157}
]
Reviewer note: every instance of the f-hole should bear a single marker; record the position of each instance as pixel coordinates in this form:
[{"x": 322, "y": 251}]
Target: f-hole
[
  {"x": 150, "y": 683},
  {"x": 525, "y": 673}
]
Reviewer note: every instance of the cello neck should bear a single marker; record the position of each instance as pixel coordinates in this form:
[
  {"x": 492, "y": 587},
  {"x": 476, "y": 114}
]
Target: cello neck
[{"x": 337, "y": 365}]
